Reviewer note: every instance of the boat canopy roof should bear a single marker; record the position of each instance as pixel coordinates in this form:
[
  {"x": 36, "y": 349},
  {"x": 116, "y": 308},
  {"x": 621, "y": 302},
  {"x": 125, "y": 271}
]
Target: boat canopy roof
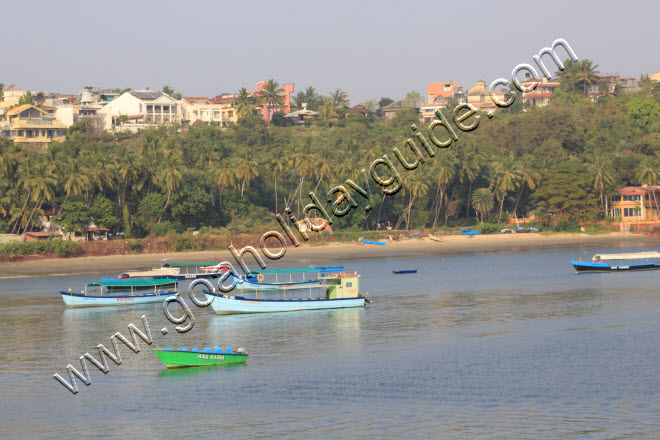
[
  {"x": 631, "y": 256},
  {"x": 212, "y": 263},
  {"x": 281, "y": 271},
  {"x": 133, "y": 283}
]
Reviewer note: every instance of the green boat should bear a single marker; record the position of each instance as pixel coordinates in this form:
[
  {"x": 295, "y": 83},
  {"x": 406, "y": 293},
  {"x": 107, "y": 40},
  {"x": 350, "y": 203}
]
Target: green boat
[{"x": 182, "y": 357}]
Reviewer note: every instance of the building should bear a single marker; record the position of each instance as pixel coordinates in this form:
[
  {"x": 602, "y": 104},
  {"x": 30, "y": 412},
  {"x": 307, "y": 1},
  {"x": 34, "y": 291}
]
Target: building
[
  {"x": 31, "y": 125},
  {"x": 540, "y": 96},
  {"x": 627, "y": 84},
  {"x": 269, "y": 109},
  {"x": 438, "y": 96},
  {"x": 227, "y": 103},
  {"x": 140, "y": 109},
  {"x": 194, "y": 109},
  {"x": 11, "y": 96},
  {"x": 655, "y": 76},
  {"x": 357, "y": 110},
  {"x": 390, "y": 110},
  {"x": 636, "y": 205},
  {"x": 302, "y": 117},
  {"x": 96, "y": 95},
  {"x": 480, "y": 97}
]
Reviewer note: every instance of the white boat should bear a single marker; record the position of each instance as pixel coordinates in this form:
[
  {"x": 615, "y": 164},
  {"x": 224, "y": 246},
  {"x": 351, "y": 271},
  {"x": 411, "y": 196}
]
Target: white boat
[
  {"x": 178, "y": 271},
  {"x": 120, "y": 292},
  {"x": 339, "y": 290}
]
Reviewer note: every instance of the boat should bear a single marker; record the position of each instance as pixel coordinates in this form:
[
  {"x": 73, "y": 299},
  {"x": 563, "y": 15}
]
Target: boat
[
  {"x": 399, "y": 272},
  {"x": 119, "y": 292},
  {"x": 333, "y": 291},
  {"x": 468, "y": 231},
  {"x": 619, "y": 262},
  {"x": 276, "y": 279},
  {"x": 524, "y": 230},
  {"x": 181, "y": 357},
  {"x": 436, "y": 238},
  {"x": 179, "y": 271},
  {"x": 328, "y": 268},
  {"x": 381, "y": 243}
]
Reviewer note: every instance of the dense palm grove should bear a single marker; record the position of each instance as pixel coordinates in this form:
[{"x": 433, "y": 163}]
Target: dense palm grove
[{"x": 560, "y": 162}]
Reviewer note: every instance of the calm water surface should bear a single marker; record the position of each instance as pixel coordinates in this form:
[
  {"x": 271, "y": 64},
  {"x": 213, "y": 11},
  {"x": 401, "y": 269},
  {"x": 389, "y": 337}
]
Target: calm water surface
[{"x": 496, "y": 345}]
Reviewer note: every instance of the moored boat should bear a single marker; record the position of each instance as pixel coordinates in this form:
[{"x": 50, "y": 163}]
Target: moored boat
[
  {"x": 619, "y": 262},
  {"x": 181, "y": 357},
  {"x": 179, "y": 271},
  {"x": 333, "y": 291},
  {"x": 120, "y": 292},
  {"x": 365, "y": 241},
  {"x": 400, "y": 272}
]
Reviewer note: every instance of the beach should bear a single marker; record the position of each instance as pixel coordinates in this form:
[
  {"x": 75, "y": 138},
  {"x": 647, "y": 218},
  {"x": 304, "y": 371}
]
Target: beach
[{"x": 307, "y": 254}]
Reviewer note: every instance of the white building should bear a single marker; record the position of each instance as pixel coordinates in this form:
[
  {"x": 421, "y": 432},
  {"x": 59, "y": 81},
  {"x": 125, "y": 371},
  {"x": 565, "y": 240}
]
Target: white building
[
  {"x": 200, "y": 109},
  {"x": 140, "y": 109}
]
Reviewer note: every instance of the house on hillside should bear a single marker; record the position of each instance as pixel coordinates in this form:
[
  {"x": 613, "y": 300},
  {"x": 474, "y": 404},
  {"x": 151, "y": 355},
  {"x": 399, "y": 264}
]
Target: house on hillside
[
  {"x": 200, "y": 109},
  {"x": 639, "y": 205},
  {"x": 438, "y": 96},
  {"x": 390, "y": 110},
  {"x": 30, "y": 125},
  {"x": 540, "y": 96},
  {"x": 480, "y": 97},
  {"x": 141, "y": 109}
]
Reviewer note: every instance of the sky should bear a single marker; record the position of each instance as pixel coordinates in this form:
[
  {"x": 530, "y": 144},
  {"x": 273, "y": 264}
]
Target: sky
[{"x": 369, "y": 49}]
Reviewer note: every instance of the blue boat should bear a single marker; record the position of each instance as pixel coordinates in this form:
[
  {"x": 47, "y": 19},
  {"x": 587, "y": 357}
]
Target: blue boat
[
  {"x": 381, "y": 243},
  {"x": 119, "y": 292},
  {"x": 179, "y": 271},
  {"x": 619, "y": 262},
  {"x": 332, "y": 292},
  {"x": 468, "y": 231},
  {"x": 328, "y": 268},
  {"x": 399, "y": 272}
]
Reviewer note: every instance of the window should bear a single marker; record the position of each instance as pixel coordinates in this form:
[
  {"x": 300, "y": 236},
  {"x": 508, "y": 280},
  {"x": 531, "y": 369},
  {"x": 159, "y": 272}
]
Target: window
[
  {"x": 616, "y": 212},
  {"x": 634, "y": 198},
  {"x": 630, "y": 212},
  {"x": 349, "y": 284},
  {"x": 141, "y": 108}
]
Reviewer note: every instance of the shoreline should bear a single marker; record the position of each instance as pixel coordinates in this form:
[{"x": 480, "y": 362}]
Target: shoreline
[{"x": 305, "y": 254}]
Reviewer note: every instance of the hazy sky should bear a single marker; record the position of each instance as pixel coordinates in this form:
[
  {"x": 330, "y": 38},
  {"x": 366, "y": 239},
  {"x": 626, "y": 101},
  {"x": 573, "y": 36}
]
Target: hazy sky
[{"x": 370, "y": 49}]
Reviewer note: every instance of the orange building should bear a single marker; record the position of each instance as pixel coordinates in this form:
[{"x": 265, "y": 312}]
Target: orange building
[{"x": 637, "y": 205}]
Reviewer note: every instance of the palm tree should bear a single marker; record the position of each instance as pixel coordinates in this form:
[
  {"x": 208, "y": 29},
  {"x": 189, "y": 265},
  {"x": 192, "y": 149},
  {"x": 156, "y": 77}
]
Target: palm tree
[
  {"x": 244, "y": 103},
  {"x": 603, "y": 176},
  {"x": 170, "y": 177},
  {"x": 276, "y": 167},
  {"x": 43, "y": 187},
  {"x": 470, "y": 161},
  {"x": 339, "y": 98},
  {"x": 271, "y": 96},
  {"x": 247, "y": 169},
  {"x": 482, "y": 201},
  {"x": 648, "y": 173},
  {"x": 506, "y": 175},
  {"x": 224, "y": 177},
  {"x": 443, "y": 172},
  {"x": 75, "y": 181},
  {"x": 328, "y": 113},
  {"x": 529, "y": 177}
]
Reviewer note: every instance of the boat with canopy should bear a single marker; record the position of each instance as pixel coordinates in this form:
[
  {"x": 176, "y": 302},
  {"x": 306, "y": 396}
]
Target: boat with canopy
[
  {"x": 328, "y": 291},
  {"x": 119, "y": 292},
  {"x": 179, "y": 271},
  {"x": 619, "y": 262}
]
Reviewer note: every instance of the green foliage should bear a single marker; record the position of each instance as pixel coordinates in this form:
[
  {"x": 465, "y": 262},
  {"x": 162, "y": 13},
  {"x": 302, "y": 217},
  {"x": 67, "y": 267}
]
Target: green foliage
[
  {"x": 61, "y": 248},
  {"x": 151, "y": 208},
  {"x": 75, "y": 217},
  {"x": 568, "y": 189},
  {"x": 492, "y": 228},
  {"x": 102, "y": 212},
  {"x": 642, "y": 112},
  {"x": 4, "y": 227},
  {"x": 126, "y": 220}
]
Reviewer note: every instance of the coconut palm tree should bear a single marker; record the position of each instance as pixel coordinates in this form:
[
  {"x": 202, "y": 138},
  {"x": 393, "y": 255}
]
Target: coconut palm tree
[
  {"x": 507, "y": 176},
  {"x": 43, "y": 187},
  {"x": 482, "y": 201},
  {"x": 276, "y": 167},
  {"x": 224, "y": 177},
  {"x": 327, "y": 113},
  {"x": 648, "y": 173},
  {"x": 529, "y": 177},
  {"x": 271, "y": 96},
  {"x": 603, "y": 173},
  {"x": 75, "y": 180},
  {"x": 244, "y": 103},
  {"x": 247, "y": 168},
  {"x": 170, "y": 177},
  {"x": 339, "y": 98},
  {"x": 442, "y": 172}
]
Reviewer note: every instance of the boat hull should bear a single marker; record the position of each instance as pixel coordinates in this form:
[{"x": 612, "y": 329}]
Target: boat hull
[
  {"x": 180, "y": 359},
  {"x": 225, "y": 304},
  {"x": 585, "y": 267},
  {"x": 118, "y": 299},
  {"x": 379, "y": 243}
]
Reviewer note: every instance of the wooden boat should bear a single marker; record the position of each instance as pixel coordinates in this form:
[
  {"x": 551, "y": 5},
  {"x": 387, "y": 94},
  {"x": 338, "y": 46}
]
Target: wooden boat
[
  {"x": 436, "y": 238},
  {"x": 468, "y": 231},
  {"x": 120, "y": 292},
  {"x": 277, "y": 279},
  {"x": 399, "y": 272},
  {"x": 381, "y": 243},
  {"x": 179, "y": 271},
  {"x": 181, "y": 357},
  {"x": 339, "y": 290},
  {"x": 619, "y": 262}
]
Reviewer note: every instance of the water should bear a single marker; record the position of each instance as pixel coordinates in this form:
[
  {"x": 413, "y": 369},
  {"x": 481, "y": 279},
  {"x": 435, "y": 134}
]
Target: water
[{"x": 481, "y": 346}]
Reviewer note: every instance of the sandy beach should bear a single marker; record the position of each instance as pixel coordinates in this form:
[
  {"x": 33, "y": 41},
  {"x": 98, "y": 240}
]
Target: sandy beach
[{"x": 319, "y": 254}]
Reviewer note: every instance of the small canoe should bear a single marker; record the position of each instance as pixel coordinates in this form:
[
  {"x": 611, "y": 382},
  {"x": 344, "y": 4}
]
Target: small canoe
[
  {"x": 328, "y": 268},
  {"x": 434, "y": 238},
  {"x": 381, "y": 243},
  {"x": 172, "y": 358},
  {"x": 399, "y": 272}
]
